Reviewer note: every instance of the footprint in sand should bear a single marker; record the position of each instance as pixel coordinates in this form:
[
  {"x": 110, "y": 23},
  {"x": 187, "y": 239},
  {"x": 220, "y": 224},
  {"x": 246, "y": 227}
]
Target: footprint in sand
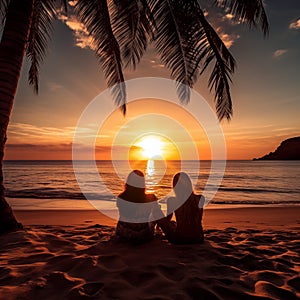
[
  {"x": 137, "y": 277},
  {"x": 92, "y": 289},
  {"x": 295, "y": 283},
  {"x": 268, "y": 276},
  {"x": 273, "y": 291}
]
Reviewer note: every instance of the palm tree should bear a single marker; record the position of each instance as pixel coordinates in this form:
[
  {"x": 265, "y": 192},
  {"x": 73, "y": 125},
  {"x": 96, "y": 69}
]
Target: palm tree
[
  {"x": 27, "y": 27},
  {"x": 184, "y": 39},
  {"x": 121, "y": 31}
]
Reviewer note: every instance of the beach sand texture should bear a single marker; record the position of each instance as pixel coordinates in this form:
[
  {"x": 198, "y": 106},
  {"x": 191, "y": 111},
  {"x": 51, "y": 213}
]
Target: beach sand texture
[{"x": 84, "y": 261}]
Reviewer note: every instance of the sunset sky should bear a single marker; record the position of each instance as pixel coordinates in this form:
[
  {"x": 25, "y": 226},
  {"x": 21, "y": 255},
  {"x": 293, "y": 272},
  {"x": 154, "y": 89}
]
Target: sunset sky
[{"x": 265, "y": 90}]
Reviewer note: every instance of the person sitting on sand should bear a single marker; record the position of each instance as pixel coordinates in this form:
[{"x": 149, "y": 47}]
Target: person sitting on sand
[
  {"x": 188, "y": 208},
  {"x": 133, "y": 225}
]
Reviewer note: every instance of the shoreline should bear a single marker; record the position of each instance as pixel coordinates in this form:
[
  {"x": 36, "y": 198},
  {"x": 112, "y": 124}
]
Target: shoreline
[
  {"x": 239, "y": 217},
  {"x": 82, "y": 204}
]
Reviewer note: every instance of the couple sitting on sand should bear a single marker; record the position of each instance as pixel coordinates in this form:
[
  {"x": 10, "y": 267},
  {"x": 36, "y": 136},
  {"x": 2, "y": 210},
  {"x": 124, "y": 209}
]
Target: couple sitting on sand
[{"x": 140, "y": 212}]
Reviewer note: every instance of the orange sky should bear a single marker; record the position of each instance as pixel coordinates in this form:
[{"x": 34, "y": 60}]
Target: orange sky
[
  {"x": 265, "y": 93},
  {"x": 180, "y": 132}
]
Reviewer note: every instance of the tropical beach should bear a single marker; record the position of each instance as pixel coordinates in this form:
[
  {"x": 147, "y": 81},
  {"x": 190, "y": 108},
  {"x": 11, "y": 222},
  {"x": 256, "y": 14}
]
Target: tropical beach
[
  {"x": 249, "y": 253},
  {"x": 69, "y": 250},
  {"x": 149, "y": 149},
  {"x": 250, "y": 249}
]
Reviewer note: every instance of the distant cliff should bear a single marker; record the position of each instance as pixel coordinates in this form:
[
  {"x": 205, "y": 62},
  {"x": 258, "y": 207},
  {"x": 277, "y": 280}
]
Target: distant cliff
[{"x": 287, "y": 150}]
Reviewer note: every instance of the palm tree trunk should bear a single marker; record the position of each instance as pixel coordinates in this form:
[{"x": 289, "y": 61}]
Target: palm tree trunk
[{"x": 12, "y": 50}]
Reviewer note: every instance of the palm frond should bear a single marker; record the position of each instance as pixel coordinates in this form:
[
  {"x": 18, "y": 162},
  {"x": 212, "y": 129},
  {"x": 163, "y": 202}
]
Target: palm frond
[
  {"x": 174, "y": 41},
  {"x": 64, "y": 4},
  {"x": 251, "y": 12},
  {"x": 40, "y": 31},
  {"x": 132, "y": 25},
  {"x": 188, "y": 44},
  {"x": 94, "y": 14},
  {"x": 3, "y": 9},
  {"x": 210, "y": 48}
]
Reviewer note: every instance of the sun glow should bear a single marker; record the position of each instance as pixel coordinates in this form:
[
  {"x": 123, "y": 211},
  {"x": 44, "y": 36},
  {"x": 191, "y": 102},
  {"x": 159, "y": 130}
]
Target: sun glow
[{"x": 152, "y": 146}]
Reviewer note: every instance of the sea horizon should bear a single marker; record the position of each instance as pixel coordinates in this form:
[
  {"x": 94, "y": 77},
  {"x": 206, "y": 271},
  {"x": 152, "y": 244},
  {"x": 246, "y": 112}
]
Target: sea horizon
[
  {"x": 245, "y": 182},
  {"x": 125, "y": 160}
]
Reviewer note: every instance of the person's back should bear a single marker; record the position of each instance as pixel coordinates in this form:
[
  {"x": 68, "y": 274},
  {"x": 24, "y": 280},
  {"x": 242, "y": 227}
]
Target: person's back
[
  {"x": 189, "y": 221},
  {"x": 188, "y": 208},
  {"x": 135, "y": 208},
  {"x": 133, "y": 211}
]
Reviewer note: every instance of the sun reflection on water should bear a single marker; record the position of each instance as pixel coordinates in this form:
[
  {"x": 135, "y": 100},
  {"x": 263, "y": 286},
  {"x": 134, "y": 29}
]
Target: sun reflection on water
[{"x": 154, "y": 173}]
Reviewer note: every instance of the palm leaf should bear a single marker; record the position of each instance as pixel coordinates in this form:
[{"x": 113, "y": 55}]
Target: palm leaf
[
  {"x": 40, "y": 30},
  {"x": 132, "y": 26},
  {"x": 210, "y": 48},
  {"x": 174, "y": 42},
  {"x": 251, "y": 12},
  {"x": 187, "y": 45},
  {"x": 64, "y": 4},
  {"x": 94, "y": 14},
  {"x": 3, "y": 9}
]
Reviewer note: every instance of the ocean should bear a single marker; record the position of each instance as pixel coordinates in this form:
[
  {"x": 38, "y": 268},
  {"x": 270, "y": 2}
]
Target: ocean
[{"x": 244, "y": 182}]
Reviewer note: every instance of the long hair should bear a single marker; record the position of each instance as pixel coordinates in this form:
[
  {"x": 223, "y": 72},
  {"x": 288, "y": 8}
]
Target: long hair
[
  {"x": 182, "y": 185},
  {"x": 135, "y": 187},
  {"x": 183, "y": 189}
]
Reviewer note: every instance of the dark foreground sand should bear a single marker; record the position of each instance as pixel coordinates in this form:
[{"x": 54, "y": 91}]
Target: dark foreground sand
[{"x": 249, "y": 253}]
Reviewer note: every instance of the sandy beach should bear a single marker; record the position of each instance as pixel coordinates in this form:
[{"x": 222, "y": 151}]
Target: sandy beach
[
  {"x": 248, "y": 253},
  {"x": 131, "y": 110}
]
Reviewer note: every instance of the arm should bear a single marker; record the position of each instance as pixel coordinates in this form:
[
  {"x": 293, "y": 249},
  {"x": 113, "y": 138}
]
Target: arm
[
  {"x": 201, "y": 201},
  {"x": 163, "y": 222},
  {"x": 167, "y": 228},
  {"x": 170, "y": 207}
]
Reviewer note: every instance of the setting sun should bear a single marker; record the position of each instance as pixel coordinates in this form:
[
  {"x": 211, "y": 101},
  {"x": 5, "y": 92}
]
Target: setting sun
[{"x": 152, "y": 146}]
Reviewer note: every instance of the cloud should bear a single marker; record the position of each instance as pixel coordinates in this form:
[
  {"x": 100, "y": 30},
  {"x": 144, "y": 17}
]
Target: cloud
[
  {"x": 34, "y": 151},
  {"x": 30, "y": 138},
  {"x": 84, "y": 41},
  {"x": 82, "y": 38},
  {"x": 228, "y": 39},
  {"x": 224, "y": 25},
  {"x": 40, "y": 147},
  {"x": 53, "y": 86},
  {"x": 156, "y": 63},
  {"x": 295, "y": 25},
  {"x": 231, "y": 19},
  {"x": 58, "y": 151},
  {"x": 38, "y": 134},
  {"x": 72, "y": 3},
  {"x": 278, "y": 53},
  {"x": 75, "y": 25},
  {"x": 229, "y": 16}
]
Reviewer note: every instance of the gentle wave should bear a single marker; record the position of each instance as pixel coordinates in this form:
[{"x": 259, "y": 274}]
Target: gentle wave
[
  {"x": 163, "y": 186},
  {"x": 49, "y": 193},
  {"x": 245, "y": 182},
  {"x": 254, "y": 190},
  {"x": 56, "y": 194},
  {"x": 253, "y": 202}
]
